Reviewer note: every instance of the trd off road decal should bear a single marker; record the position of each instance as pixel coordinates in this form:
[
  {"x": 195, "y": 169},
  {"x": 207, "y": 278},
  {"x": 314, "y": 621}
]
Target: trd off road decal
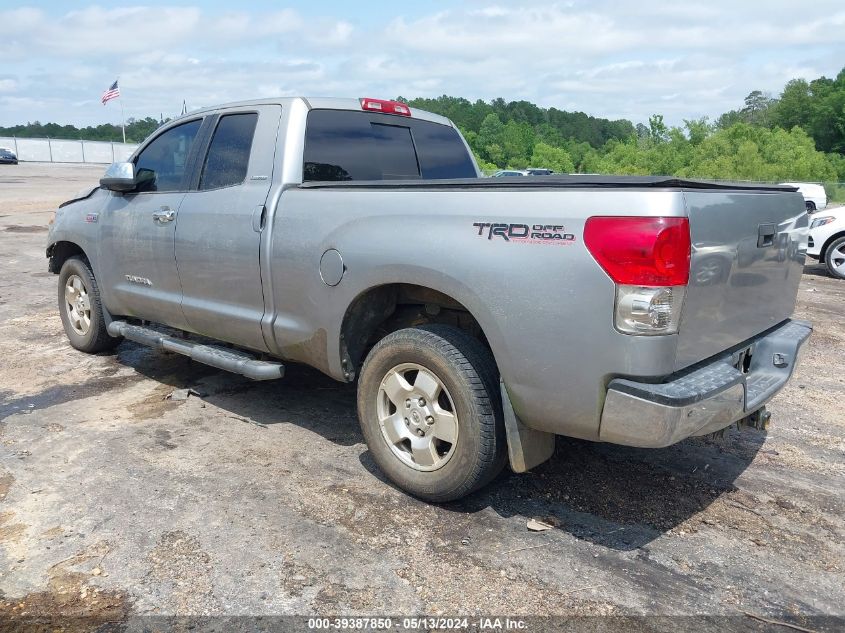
[{"x": 525, "y": 233}]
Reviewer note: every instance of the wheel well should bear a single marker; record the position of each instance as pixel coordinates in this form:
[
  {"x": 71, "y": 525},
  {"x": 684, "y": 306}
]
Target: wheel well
[
  {"x": 384, "y": 309},
  {"x": 60, "y": 252},
  {"x": 828, "y": 242}
]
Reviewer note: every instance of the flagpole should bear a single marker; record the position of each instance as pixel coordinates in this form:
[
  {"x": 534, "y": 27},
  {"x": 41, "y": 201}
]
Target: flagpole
[{"x": 122, "y": 117}]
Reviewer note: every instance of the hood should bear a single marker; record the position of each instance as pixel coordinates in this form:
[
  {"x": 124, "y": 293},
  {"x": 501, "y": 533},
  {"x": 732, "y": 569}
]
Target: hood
[{"x": 81, "y": 195}]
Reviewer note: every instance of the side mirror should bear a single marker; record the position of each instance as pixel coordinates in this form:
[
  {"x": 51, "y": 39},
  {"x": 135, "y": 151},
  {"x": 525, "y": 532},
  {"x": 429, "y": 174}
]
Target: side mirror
[{"x": 119, "y": 177}]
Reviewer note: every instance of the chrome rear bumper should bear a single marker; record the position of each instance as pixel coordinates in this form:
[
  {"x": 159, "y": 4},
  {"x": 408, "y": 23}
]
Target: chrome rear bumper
[{"x": 705, "y": 398}]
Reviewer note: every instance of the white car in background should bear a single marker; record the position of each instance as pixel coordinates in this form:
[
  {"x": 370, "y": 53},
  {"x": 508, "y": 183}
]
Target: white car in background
[
  {"x": 815, "y": 197},
  {"x": 827, "y": 240}
]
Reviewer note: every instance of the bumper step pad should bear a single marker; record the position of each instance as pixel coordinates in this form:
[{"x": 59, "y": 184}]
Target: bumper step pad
[{"x": 703, "y": 399}]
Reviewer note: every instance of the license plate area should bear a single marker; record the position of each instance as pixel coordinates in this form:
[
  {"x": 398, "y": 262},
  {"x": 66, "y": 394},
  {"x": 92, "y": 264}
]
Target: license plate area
[{"x": 741, "y": 359}]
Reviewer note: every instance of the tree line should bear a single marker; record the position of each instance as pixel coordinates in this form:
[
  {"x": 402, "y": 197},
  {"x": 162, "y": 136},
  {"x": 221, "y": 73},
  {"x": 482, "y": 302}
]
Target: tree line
[
  {"x": 798, "y": 135},
  {"x": 136, "y": 131}
]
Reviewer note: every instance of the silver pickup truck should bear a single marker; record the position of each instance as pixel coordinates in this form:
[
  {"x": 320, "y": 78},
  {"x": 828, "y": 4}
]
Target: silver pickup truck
[{"x": 480, "y": 317}]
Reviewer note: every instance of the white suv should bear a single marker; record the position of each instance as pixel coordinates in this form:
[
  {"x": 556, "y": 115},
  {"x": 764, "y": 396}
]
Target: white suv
[
  {"x": 815, "y": 197},
  {"x": 827, "y": 240}
]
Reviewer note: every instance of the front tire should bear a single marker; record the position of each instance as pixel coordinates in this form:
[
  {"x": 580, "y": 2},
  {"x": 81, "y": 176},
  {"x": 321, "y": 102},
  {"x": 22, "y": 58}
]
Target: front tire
[
  {"x": 834, "y": 258},
  {"x": 431, "y": 413},
  {"x": 811, "y": 206},
  {"x": 81, "y": 309}
]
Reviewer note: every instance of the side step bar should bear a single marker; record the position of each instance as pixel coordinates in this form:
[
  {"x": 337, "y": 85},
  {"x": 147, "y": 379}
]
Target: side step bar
[{"x": 220, "y": 357}]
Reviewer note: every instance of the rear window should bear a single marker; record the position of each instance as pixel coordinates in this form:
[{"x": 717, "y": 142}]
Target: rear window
[{"x": 346, "y": 145}]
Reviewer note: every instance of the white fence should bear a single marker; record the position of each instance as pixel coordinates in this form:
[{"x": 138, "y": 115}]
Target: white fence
[{"x": 52, "y": 150}]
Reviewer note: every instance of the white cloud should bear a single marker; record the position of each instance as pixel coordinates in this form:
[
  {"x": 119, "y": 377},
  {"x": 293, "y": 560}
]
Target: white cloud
[
  {"x": 96, "y": 31},
  {"x": 602, "y": 57}
]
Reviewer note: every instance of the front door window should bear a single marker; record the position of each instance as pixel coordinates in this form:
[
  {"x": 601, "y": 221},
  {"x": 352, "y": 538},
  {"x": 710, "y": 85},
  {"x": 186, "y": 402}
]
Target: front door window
[{"x": 161, "y": 166}]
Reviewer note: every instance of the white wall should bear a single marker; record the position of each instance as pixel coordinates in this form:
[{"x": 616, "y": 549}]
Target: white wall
[{"x": 65, "y": 151}]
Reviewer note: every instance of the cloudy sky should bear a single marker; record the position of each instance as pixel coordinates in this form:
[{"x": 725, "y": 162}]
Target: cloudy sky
[{"x": 613, "y": 59}]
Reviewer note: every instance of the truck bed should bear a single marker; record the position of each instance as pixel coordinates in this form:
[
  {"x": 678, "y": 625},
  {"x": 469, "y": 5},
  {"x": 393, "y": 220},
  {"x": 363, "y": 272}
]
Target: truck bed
[
  {"x": 579, "y": 181},
  {"x": 737, "y": 290}
]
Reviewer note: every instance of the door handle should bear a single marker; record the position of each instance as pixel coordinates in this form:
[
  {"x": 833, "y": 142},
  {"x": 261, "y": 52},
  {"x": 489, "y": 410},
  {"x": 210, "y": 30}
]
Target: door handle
[
  {"x": 163, "y": 215},
  {"x": 259, "y": 215},
  {"x": 765, "y": 235}
]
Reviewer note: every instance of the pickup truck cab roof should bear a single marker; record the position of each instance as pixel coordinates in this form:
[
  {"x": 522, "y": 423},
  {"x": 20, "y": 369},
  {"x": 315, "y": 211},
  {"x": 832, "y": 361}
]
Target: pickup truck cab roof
[
  {"x": 314, "y": 103},
  {"x": 298, "y": 117}
]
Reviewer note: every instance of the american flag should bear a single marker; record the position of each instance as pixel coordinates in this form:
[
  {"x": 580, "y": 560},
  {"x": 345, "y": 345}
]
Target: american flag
[{"x": 111, "y": 93}]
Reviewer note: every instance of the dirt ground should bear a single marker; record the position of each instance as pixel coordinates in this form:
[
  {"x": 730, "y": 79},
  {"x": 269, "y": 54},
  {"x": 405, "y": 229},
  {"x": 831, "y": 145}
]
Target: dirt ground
[{"x": 262, "y": 499}]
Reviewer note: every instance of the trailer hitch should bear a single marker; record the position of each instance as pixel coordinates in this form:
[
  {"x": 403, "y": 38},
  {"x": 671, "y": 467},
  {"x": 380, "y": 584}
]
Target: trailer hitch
[{"x": 758, "y": 420}]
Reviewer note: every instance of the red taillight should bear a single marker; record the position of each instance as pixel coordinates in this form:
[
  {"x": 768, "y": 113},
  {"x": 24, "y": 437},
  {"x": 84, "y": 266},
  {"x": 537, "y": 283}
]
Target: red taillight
[
  {"x": 383, "y": 105},
  {"x": 641, "y": 251}
]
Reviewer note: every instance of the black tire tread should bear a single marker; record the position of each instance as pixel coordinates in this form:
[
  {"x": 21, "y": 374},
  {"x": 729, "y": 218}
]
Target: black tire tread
[
  {"x": 474, "y": 361},
  {"x": 101, "y": 340},
  {"x": 827, "y": 263},
  {"x": 474, "y": 358}
]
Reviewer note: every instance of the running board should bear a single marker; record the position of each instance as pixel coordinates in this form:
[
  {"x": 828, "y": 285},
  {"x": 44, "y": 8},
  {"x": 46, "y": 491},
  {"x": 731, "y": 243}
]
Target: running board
[{"x": 231, "y": 360}]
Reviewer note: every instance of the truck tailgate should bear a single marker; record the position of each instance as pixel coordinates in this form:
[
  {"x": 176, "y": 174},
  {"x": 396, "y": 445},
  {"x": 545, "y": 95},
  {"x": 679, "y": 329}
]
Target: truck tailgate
[{"x": 747, "y": 258}]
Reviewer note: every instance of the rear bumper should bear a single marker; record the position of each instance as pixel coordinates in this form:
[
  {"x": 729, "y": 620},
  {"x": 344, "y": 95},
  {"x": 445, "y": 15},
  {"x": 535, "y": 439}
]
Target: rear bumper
[{"x": 705, "y": 398}]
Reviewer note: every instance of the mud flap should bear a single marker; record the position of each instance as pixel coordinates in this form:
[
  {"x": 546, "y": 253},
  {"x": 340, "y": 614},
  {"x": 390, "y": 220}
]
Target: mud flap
[{"x": 527, "y": 447}]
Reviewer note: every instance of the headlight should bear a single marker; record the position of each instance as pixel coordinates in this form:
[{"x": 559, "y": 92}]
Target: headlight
[{"x": 822, "y": 221}]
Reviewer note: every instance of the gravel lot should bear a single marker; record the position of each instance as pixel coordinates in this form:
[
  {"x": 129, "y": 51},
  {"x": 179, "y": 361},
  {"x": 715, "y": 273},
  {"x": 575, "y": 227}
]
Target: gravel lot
[{"x": 261, "y": 498}]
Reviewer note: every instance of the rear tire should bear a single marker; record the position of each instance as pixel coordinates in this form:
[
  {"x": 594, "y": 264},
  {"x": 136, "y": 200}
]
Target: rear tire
[
  {"x": 811, "y": 206},
  {"x": 440, "y": 387},
  {"x": 81, "y": 309},
  {"x": 834, "y": 258}
]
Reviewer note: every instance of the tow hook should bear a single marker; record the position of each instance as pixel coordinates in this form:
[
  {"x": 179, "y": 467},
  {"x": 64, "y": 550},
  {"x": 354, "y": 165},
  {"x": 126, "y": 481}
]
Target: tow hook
[{"x": 758, "y": 420}]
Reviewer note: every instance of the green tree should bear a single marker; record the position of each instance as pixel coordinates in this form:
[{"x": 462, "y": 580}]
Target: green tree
[
  {"x": 139, "y": 129},
  {"x": 729, "y": 118},
  {"x": 827, "y": 118},
  {"x": 794, "y": 106},
  {"x": 748, "y": 152},
  {"x": 657, "y": 130},
  {"x": 698, "y": 130},
  {"x": 517, "y": 143},
  {"x": 552, "y": 125},
  {"x": 554, "y": 158},
  {"x": 757, "y": 106},
  {"x": 489, "y": 141}
]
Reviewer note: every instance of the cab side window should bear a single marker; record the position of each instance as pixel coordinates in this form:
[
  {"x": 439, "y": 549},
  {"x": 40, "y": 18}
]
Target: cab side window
[
  {"x": 161, "y": 165},
  {"x": 228, "y": 154}
]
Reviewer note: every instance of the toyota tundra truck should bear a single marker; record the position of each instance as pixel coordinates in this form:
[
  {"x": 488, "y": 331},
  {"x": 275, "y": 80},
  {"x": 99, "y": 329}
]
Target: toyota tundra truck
[{"x": 480, "y": 317}]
